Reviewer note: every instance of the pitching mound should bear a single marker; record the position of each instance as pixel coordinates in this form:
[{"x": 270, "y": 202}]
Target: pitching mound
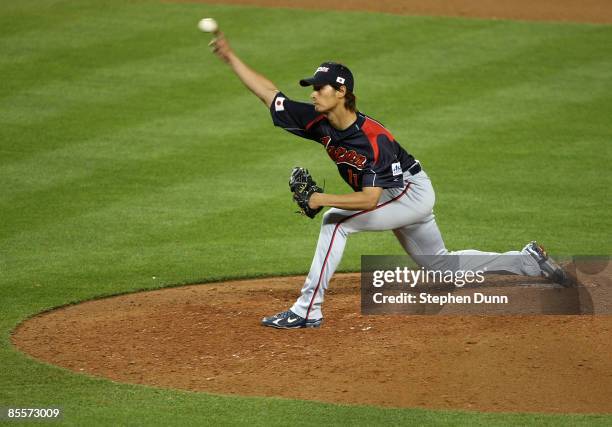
[{"x": 208, "y": 338}]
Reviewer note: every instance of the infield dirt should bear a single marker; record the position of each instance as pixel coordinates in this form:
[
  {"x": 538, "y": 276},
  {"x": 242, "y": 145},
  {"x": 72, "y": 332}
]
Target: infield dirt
[
  {"x": 595, "y": 11},
  {"x": 208, "y": 338}
]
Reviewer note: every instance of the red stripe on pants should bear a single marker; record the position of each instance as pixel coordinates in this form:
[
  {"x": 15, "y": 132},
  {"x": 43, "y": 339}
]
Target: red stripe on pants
[{"x": 331, "y": 243}]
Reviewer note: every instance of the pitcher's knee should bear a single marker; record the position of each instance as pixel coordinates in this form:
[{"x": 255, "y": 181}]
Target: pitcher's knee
[
  {"x": 438, "y": 262},
  {"x": 332, "y": 217},
  {"x": 334, "y": 222}
]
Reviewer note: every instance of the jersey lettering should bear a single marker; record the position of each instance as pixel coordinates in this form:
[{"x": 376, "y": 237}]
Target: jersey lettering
[
  {"x": 342, "y": 155},
  {"x": 365, "y": 153}
]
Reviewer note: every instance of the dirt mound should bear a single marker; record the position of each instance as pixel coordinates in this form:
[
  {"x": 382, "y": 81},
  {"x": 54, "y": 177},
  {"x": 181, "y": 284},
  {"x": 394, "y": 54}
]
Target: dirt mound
[{"x": 208, "y": 338}]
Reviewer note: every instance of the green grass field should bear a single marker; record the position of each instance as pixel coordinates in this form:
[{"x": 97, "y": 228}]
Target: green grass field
[{"x": 128, "y": 151}]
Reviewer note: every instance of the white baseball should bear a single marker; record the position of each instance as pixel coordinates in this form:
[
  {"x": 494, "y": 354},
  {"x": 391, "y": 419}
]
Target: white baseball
[{"x": 208, "y": 25}]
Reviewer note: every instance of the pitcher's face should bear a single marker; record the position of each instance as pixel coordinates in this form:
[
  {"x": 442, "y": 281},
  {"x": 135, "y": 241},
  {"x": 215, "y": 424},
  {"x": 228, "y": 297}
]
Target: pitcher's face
[{"x": 325, "y": 98}]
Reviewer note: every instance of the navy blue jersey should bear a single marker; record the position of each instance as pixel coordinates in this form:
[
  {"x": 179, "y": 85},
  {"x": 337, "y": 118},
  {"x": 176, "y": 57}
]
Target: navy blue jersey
[{"x": 366, "y": 153}]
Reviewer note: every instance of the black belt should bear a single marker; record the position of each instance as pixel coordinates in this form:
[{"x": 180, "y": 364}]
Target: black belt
[{"x": 415, "y": 168}]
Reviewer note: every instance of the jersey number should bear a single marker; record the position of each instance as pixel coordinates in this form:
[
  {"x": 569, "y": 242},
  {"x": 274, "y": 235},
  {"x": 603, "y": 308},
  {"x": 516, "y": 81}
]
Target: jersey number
[{"x": 353, "y": 178}]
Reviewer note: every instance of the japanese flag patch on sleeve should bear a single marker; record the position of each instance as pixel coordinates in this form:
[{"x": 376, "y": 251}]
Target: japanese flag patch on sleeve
[{"x": 279, "y": 104}]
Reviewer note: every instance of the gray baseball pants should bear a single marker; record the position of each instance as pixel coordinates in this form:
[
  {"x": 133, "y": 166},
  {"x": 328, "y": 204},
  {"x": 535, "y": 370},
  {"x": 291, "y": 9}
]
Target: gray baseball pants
[{"x": 408, "y": 211}]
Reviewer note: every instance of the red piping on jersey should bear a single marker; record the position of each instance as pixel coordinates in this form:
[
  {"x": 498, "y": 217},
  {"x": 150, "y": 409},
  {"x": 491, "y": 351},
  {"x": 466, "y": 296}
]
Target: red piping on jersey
[
  {"x": 331, "y": 243},
  {"x": 314, "y": 121},
  {"x": 372, "y": 129}
]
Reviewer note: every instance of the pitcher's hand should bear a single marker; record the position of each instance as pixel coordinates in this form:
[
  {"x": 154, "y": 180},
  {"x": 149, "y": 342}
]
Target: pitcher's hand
[{"x": 221, "y": 47}]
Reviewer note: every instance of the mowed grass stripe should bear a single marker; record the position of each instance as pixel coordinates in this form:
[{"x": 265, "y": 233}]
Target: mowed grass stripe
[
  {"x": 94, "y": 114},
  {"x": 428, "y": 94},
  {"x": 541, "y": 171},
  {"x": 203, "y": 149},
  {"x": 52, "y": 35},
  {"x": 163, "y": 196},
  {"x": 92, "y": 54},
  {"x": 126, "y": 37},
  {"x": 28, "y": 22},
  {"x": 117, "y": 109},
  {"x": 41, "y": 104},
  {"x": 143, "y": 129}
]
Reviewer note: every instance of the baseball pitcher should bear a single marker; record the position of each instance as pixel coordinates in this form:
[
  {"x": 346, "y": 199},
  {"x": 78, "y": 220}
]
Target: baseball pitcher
[{"x": 390, "y": 189}]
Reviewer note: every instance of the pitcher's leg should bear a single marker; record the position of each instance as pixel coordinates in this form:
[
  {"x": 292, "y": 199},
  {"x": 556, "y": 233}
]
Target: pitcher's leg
[
  {"x": 424, "y": 243},
  {"x": 330, "y": 247},
  {"x": 391, "y": 213}
]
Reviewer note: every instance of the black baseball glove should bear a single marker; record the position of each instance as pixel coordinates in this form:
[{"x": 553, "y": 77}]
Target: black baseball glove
[{"x": 302, "y": 186}]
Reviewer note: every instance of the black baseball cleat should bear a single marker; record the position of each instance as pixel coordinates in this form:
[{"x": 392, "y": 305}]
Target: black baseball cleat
[
  {"x": 550, "y": 269},
  {"x": 289, "y": 320}
]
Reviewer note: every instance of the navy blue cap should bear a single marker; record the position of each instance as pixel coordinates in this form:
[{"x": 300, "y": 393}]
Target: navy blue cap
[{"x": 331, "y": 73}]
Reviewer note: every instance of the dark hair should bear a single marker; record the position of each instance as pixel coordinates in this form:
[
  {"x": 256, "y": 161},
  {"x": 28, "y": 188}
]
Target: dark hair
[{"x": 350, "y": 102}]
